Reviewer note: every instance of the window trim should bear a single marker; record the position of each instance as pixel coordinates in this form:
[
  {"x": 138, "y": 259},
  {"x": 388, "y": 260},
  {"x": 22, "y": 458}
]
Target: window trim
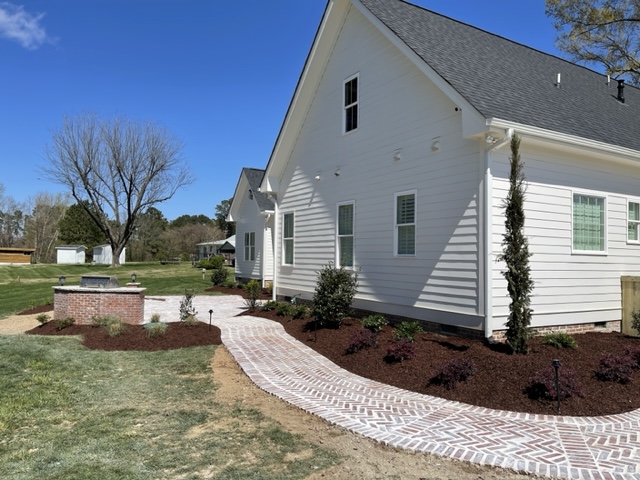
[
  {"x": 355, "y": 104},
  {"x": 249, "y": 246},
  {"x": 395, "y": 223},
  {"x": 600, "y": 195},
  {"x": 353, "y": 234},
  {"x": 284, "y": 239},
  {"x": 637, "y": 222}
]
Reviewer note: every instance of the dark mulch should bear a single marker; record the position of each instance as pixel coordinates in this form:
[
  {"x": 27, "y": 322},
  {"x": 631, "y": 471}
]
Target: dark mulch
[
  {"x": 38, "y": 309},
  {"x": 237, "y": 291},
  {"x": 501, "y": 378},
  {"x": 178, "y": 335}
]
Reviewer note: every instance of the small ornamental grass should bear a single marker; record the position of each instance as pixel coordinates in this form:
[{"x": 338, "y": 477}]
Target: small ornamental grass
[
  {"x": 284, "y": 309},
  {"x": 155, "y": 318},
  {"x": 155, "y": 329},
  {"x": 560, "y": 340},
  {"x": 453, "y": 372},
  {"x": 190, "y": 321},
  {"x": 374, "y": 322},
  {"x": 400, "y": 350},
  {"x": 64, "y": 322},
  {"x": 543, "y": 385},
  {"x": 300, "y": 312},
  {"x": 43, "y": 318},
  {"x": 116, "y": 328},
  {"x": 362, "y": 340},
  {"x": 407, "y": 330}
]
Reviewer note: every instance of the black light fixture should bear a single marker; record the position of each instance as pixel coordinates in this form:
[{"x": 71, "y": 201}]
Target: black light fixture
[
  {"x": 133, "y": 277},
  {"x": 556, "y": 364},
  {"x": 61, "y": 280},
  {"x": 210, "y": 313}
]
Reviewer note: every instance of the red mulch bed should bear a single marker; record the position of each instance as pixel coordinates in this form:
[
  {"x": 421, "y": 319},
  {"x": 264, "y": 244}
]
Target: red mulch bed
[
  {"x": 178, "y": 335},
  {"x": 500, "y": 379}
]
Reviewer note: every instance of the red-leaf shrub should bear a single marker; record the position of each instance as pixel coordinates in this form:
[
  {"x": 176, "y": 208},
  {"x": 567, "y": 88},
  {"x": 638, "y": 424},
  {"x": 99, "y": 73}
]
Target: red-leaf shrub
[
  {"x": 616, "y": 368},
  {"x": 634, "y": 353},
  {"x": 362, "y": 340},
  {"x": 449, "y": 374},
  {"x": 543, "y": 384},
  {"x": 399, "y": 350}
]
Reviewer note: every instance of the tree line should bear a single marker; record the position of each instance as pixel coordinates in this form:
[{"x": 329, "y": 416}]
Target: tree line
[{"x": 47, "y": 220}]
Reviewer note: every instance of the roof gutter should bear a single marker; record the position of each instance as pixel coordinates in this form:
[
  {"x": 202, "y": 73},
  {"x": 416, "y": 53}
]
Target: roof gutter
[{"x": 488, "y": 228}]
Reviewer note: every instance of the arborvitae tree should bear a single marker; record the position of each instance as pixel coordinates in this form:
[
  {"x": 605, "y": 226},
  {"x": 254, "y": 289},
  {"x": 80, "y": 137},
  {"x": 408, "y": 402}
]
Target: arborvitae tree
[{"x": 515, "y": 248}]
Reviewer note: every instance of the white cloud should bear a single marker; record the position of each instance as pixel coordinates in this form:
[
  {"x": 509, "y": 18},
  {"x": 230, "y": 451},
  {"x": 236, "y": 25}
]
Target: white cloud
[{"x": 21, "y": 26}]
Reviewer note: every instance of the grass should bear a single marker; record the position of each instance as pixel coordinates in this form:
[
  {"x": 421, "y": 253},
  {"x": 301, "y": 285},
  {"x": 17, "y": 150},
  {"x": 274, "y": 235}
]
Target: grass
[
  {"x": 70, "y": 413},
  {"x": 26, "y": 286}
]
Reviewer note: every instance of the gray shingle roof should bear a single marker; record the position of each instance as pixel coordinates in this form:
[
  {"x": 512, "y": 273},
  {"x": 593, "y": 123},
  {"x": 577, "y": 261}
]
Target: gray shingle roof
[
  {"x": 509, "y": 81},
  {"x": 254, "y": 177}
]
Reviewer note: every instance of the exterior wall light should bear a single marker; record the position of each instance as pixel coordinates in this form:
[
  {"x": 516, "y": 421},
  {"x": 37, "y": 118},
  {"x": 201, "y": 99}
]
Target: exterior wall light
[
  {"x": 61, "y": 280},
  {"x": 133, "y": 277}
]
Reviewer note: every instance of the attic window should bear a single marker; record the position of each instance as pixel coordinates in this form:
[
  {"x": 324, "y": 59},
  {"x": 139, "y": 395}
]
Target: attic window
[{"x": 350, "y": 104}]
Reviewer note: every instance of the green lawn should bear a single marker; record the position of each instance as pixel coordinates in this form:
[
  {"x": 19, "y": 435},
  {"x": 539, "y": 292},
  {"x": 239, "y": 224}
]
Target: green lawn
[
  {"x": 69, "y": 413},
  {"x": 25, "y": 286}
]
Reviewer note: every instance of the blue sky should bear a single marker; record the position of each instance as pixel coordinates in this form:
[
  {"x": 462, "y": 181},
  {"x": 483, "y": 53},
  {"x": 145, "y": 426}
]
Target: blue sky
[{"x": 219, "y": 74}]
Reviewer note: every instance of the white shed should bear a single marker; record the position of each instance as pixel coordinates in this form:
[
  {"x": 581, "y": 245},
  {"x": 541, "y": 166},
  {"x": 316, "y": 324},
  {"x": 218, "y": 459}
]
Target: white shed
[
  {"x": 102, "y": 255},
  {"x": 70, "y": 254}
]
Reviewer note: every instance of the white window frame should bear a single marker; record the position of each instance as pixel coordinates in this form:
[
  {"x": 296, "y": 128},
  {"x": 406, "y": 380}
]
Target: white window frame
[
  {"x": 396, "y": 225},
  {"x": 636, "y": 222},
  {"x": 605, "y": 199},
  {"x": 291, "y": 239},
  {"x": 340, "y": 236},
  {"x": 355, "y": 104},
  {"x": 249, "y": 246}
]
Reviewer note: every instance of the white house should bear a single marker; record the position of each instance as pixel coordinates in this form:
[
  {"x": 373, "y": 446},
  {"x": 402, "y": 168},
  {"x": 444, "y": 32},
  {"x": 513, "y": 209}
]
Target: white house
[
  {"x": 102, "y": 255},
  {"x": 252, "y": 212},
  {"x": 70, "y": 254},
  {"x": 393, "y": 160}
]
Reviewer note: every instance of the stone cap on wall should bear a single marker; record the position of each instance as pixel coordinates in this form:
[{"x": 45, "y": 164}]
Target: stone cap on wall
[{"x": 77, "y": 288}]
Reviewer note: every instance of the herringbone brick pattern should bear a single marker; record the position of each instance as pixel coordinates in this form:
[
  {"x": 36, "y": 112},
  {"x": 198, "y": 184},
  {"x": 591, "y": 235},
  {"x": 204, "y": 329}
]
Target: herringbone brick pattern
[{"x": 594, "y": 448}]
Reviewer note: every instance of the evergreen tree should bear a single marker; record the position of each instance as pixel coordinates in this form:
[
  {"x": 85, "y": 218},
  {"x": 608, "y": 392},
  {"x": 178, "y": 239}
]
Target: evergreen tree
[{"x": 515, "y": 247}]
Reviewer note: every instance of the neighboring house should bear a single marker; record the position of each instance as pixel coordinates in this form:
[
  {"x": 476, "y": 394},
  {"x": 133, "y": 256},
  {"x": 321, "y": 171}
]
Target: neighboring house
[
  {"x": 102, "y": 255},
  {"x": 17, "y": 256},
  {"x": 228, "y": 250},
  {"x": 224, "y": 247},
  {"x": 70, "y": 254},
  {"x": 252, "y": 211},
  {"x": 393, "y": 160}
]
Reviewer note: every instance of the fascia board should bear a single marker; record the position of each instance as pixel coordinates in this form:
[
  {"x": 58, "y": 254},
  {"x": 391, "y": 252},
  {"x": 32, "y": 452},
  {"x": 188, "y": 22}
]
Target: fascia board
[
  {"x": 323, "y": 43},
  {"x": 237, "y": 198},
  {"x": 565, "y": 141},
  {"x": 472, "y": 120}
]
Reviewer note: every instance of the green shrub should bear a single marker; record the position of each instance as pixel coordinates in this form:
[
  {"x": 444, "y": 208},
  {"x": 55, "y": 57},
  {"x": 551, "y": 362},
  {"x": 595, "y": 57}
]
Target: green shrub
[
  {"x": 270, "y": 305},
  {"x": 211, "y": 263},
  {"x": 635, "y": 320},
  {"x": 116, "y": 328},
  {"x": 155, "y": 329},
  {"x": 284, "y": 309},
  {"x": 43, "y": 318},
  {"x": 155, "y": 318},
  {"x": 300, "y": 311},
  {"x": 407, "y": 330},
  {"x": 334, "y": 293},
  {"x": 64, "y": 322},
  {"x": 186, "y": 304},
  {"x": 103, "y": 320},
  {"x": 560, "y": 340},
  {"x": 374, "y": 322},
  {"x": 230, "y": 283},
  {"x": 253, "y": 291},
  {"x": 219, "y": 276}
]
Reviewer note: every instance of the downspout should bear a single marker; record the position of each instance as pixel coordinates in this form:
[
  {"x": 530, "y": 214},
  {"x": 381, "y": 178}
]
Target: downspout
[
  {"x": 488, "y": 232},
  {"x": 265, "y": 229},
  {"x": 274, "y": 282}
]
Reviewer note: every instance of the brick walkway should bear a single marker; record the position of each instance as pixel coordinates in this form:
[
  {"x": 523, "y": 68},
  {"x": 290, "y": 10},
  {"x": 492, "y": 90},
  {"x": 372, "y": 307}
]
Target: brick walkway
[{"x": 551, "y": 446}]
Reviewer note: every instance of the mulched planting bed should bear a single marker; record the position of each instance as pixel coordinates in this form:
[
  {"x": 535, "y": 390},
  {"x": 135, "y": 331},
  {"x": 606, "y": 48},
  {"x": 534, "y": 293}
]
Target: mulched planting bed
[
  {"x": 237, "y": 291},
  {"x": 135, "y": 337},
  {"x": 500, "y": 379},
  {"x": 39, "y": 309}
]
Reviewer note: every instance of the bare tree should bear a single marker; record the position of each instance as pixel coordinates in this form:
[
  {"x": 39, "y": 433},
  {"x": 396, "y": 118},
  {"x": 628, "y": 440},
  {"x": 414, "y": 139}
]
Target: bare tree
[
  {"x": 120, "y": 167},
  {"x": 42, "y": 224}
]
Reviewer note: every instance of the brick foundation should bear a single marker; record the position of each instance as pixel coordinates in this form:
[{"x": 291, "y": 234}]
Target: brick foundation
[
  {"x": 613, "y": 326},
  {"x": 83, "y": 304}
]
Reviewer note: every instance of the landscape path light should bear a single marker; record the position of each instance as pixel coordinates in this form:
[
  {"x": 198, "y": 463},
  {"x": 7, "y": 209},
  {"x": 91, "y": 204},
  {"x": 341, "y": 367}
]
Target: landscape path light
[
  {"x": 210, "y": 313},
  {"x": 556, "y": 365}
]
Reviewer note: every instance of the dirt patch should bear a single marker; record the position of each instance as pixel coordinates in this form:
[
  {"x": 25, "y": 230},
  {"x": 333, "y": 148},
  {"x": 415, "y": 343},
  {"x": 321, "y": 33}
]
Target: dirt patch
[
  {"x": 17, "y": 324},
  {"x": 500, "y": 380},
  {"x": 363, "y": 458}
]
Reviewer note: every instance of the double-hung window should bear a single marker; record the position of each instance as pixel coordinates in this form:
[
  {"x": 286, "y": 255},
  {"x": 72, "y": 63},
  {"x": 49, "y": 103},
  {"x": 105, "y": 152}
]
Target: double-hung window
[
  {"x": 405, "y": 224},
  {"x": 345, "y": 235},
  {"x": 633, "y": 221},
  {"x": 250, "y": 246},
  {"x": 589, "y": 223},
  {"x": 350, "y": 104},
  {"x": 287, "y": 239}
]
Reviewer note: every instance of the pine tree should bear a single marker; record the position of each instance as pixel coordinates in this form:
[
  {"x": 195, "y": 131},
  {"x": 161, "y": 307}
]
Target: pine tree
[{"x": 515, "y": 247}]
